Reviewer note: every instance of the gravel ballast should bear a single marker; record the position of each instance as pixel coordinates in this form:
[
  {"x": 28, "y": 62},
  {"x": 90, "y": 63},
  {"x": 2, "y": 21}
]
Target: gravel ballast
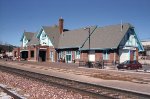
[{"x": 33, "y": 89}]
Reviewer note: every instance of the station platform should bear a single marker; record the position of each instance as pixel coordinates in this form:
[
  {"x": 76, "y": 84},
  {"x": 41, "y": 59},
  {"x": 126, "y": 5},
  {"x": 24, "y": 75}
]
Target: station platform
[{"x": 138, "y": 87}]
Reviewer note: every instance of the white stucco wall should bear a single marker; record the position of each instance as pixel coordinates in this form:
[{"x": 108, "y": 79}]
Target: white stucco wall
[
  {"x": 44, "y": 39},
  {"x": 24, "y": 42},
  {"x": 131, "y": 41}
]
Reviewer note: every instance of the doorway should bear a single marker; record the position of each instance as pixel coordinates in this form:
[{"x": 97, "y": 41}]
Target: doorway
[
  {"x": 91, "y": 56},
  {"x": 24, "y": 55},
  {"x": 42, "y": 56},
  {"x": 68, "y": 57}
]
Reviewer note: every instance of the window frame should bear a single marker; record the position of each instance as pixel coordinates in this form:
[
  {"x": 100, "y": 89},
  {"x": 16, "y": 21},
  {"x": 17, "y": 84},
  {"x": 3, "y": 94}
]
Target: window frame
[
  {"x": 106, "y": 55},
  {"x": 77, "y": 54}
]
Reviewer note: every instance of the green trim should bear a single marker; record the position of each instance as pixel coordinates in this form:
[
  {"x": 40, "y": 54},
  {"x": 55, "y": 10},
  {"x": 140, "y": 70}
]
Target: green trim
[
  {"x": 39, "y": 34},
  {"x": 123, "y": 38},
  {"x": 138, "y": 42},
  {"x": 140, "y": 47},
  {"x": 22, "y": 37},
  {"x": 99, "y": 49},
  {"x": 66, "y": 48}
]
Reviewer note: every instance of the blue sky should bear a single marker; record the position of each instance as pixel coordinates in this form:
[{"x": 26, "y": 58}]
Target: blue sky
[{"x": 19, "y": 15}]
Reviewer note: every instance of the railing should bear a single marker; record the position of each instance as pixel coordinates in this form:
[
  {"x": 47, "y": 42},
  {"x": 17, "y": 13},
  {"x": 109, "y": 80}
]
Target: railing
[{"x": 89, "y": 64}]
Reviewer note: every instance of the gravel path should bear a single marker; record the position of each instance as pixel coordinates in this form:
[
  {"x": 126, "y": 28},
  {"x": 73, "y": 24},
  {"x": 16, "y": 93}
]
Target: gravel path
[{"x": 32, "y": 89}]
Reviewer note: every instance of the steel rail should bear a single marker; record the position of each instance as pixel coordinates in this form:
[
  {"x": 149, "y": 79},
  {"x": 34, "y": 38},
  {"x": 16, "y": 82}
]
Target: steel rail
[
  {"x": 13, "y": 95},
  {"x": 94, "y": 90}
]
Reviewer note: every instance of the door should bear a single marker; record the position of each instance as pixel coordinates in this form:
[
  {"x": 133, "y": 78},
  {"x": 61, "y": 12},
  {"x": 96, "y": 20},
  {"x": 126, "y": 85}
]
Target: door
[
  {"x": 68, "y": 57},
  {"x": 91, "y": 56},
  {"x": 24, "y": 55},
  {"x": 42, "y": 56}
]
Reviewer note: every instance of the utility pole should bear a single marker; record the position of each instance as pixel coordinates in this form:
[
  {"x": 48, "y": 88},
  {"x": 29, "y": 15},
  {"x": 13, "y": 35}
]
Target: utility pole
[{"x": 89, "y": 63}]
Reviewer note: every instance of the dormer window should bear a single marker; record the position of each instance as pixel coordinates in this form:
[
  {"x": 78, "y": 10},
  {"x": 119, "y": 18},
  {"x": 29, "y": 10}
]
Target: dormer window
[
  {"x": 43, "y": 35},
  {"x": 25, "y": 40},
  {"x": 44, "y": 43}
]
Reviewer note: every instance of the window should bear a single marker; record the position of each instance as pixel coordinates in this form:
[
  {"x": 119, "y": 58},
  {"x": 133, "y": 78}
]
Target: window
[
  {"x": 51, "y": 56},
  {"x": 25, "y": 41},
  {"x": 43, "y": 35},
  {"x": 68, "y": 52},
  {"x": 105, "y": 55},
  {"x": 32, "y": 54},
  {"x": 60, "y": 54},
  {"x": 77, "y": 54},
  {"x": 134, "y": 55},
  {"x": 44, "y": 43}
]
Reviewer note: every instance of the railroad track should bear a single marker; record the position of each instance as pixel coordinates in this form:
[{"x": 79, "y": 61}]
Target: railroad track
[
  {"x": 9, "y": 93},
  {"x": 96, "y": 91}
]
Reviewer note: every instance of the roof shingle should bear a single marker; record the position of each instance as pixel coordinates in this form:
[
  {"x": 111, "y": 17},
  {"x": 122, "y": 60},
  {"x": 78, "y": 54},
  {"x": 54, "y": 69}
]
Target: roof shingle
[
  {"x": 101, "y": 38},
  {"x": 53, "y": 34},
  {"x": 73, "y": 38},
  {"x": 28, "y": 35},
  {"x": 34, "y": 40},
  {"x": 107, "y": 37}
]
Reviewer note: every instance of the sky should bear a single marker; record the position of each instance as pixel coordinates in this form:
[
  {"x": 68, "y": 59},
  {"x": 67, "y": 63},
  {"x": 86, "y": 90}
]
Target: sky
[{"x": 17, "y": 16}]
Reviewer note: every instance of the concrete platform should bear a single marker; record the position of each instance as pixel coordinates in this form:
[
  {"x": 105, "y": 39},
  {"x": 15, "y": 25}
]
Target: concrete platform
[{"x": 125, "y": 85}]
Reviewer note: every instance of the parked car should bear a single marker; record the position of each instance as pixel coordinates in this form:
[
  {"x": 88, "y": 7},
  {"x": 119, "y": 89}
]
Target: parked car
[{"x": 130, "y": 65}]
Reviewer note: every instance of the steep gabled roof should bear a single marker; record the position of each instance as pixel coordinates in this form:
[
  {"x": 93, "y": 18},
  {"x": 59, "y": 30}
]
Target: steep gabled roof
[
  {"x": 101, "y": 38},
  {"x": 34, "y": 40},
  {"x": 73, "y": 38},
  {"x": 53, "y": 34},
  {"x": 107, "y": 37},
  {"x": 28, "y": 35}
]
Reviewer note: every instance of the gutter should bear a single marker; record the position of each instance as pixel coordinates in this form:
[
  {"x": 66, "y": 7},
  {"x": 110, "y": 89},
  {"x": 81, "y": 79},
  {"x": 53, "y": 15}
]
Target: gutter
[
  {"x": 67, "y": 48},
  {"x": 97, "y": 49}
]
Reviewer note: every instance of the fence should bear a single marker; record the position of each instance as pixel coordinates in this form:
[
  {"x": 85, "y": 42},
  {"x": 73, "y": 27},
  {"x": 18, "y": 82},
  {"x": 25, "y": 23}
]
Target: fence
[{"x": 97, "y": 64}]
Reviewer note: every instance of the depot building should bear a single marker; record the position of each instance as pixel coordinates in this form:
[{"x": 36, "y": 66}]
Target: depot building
[{"x": 113, "y": 43}]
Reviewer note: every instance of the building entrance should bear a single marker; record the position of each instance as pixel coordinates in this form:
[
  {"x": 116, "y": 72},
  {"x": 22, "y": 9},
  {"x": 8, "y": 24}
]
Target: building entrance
[{"x": 42, "y": 56}]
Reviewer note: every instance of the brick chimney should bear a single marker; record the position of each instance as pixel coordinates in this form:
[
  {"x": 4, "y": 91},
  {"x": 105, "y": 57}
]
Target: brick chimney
[{"x": 61, "y": 25}]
